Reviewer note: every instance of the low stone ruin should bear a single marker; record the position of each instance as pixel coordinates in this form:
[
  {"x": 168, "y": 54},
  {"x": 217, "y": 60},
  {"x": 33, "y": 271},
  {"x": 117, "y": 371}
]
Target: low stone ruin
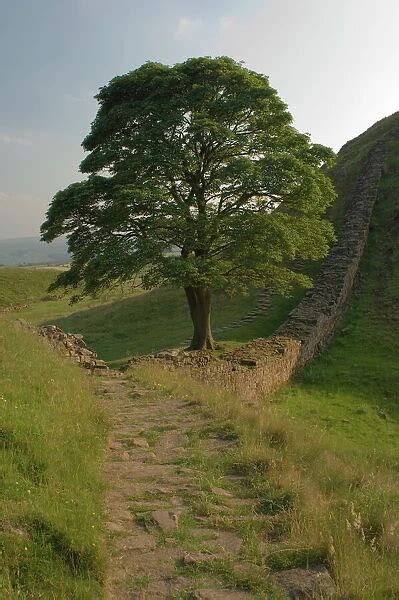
[
  {"x": 73, "y": 346},
  {"x": 13, "y": 307}
]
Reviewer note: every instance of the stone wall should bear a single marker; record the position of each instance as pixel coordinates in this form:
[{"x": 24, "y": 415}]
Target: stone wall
[
  {"x": 73, "y": 346},
  {"x": 314, "y": 319},
  {"x": 257, "y": 367}
]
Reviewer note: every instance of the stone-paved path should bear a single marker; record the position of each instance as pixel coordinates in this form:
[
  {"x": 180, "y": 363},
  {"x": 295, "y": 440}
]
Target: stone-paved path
[{"x": 156, "y": 524}]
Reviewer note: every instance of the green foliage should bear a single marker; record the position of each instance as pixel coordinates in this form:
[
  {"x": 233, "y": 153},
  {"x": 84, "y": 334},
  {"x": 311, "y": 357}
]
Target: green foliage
[
  {"x": 201, "y": 157},
  {"x": 51, "y": 439}
]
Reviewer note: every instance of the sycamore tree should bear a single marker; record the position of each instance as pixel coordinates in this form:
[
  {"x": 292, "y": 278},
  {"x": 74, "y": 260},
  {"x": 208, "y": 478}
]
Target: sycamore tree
[{"x": 196, "y": 178}]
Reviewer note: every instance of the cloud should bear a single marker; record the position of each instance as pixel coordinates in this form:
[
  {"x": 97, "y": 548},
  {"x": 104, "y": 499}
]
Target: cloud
[
  {"x": 14, "y": 139},
  {"x": 186, "y": 27},
  {"x": 226, "y": 24}
]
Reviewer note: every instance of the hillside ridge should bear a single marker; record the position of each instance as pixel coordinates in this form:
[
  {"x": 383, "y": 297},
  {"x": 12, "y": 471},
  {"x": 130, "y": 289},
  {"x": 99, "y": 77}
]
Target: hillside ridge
[{"x": 32, "y": 251}]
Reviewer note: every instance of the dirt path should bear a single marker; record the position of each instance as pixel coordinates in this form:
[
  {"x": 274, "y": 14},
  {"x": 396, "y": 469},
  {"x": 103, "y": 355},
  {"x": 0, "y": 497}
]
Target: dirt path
[{"x": 166, "y": 505}]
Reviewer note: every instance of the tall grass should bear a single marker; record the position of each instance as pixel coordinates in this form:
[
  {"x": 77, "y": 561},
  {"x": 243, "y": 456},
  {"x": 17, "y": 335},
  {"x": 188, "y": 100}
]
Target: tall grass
[{"x": 51, "y": 440}]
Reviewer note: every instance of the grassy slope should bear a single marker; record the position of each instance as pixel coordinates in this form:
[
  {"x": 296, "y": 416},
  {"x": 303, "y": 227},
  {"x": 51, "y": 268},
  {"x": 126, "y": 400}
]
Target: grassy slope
[
  {"x": 350, "y": 393},
  {"x": 318, "y": 478},
  {"x": 51, "y": 439},
  {"x": 22, "y": 286},
  {"x": 313, "y": 505},
  {"x": 150, "y": 321}
]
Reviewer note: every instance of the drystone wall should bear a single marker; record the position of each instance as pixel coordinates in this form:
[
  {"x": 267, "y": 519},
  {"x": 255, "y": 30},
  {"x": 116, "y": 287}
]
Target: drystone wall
[
  {"x": 262, "y": 365},
  {"x": 73, "y": 346},
  {"x": 314, "y": 319}
]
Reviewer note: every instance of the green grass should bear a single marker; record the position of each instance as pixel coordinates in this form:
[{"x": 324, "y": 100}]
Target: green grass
[
  {"x": 131, "y": 321},
  {"x": 51, "y": 442},
  {"x": 320, "y": 456},
  {"x": 349, "y": 161},
  {"x": 23, "y": 285}
]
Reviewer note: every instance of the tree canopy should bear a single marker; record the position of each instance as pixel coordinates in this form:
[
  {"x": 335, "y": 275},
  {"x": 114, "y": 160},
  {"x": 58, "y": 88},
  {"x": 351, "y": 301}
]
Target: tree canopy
[{"x": 196, "y": 178}]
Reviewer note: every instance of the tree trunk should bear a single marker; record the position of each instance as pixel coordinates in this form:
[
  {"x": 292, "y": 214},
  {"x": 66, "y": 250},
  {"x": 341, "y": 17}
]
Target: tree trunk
[{"x": 199, "y": 302}]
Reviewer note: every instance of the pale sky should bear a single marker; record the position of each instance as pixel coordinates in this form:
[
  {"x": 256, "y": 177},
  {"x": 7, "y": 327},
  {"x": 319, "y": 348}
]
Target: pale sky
[{"x": 334, "y": 62}]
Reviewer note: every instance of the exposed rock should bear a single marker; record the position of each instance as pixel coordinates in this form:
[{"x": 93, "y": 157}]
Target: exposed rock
[
  {"x": 115, "y": 527},
  {"x": 171, "y": 440},
  {"x": 115, "y": 445},
  {"x": 168, "y": 354},
  {"x": 140, "y": 442},
  {"x": 139, "y": 543},
  {"x": 13, "y": 308},
  {"x": 314, "y": 583},
  {"x": 174, "y": 359},
  {"x": 248, "y": 362},
  {"x": 229, "y": 542},
  {"x": 167, "y": 520}
]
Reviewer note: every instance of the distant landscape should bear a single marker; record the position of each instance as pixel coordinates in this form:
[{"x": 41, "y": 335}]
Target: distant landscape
[{"x": 31, "y": 251}]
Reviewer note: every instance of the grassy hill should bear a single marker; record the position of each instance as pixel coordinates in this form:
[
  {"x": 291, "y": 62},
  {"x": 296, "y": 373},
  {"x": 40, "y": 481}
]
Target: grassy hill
[
  {"x": 122, "y": 324},
  {"x": 359, "y": 372},
  {"x": 31, "y": 251}
]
